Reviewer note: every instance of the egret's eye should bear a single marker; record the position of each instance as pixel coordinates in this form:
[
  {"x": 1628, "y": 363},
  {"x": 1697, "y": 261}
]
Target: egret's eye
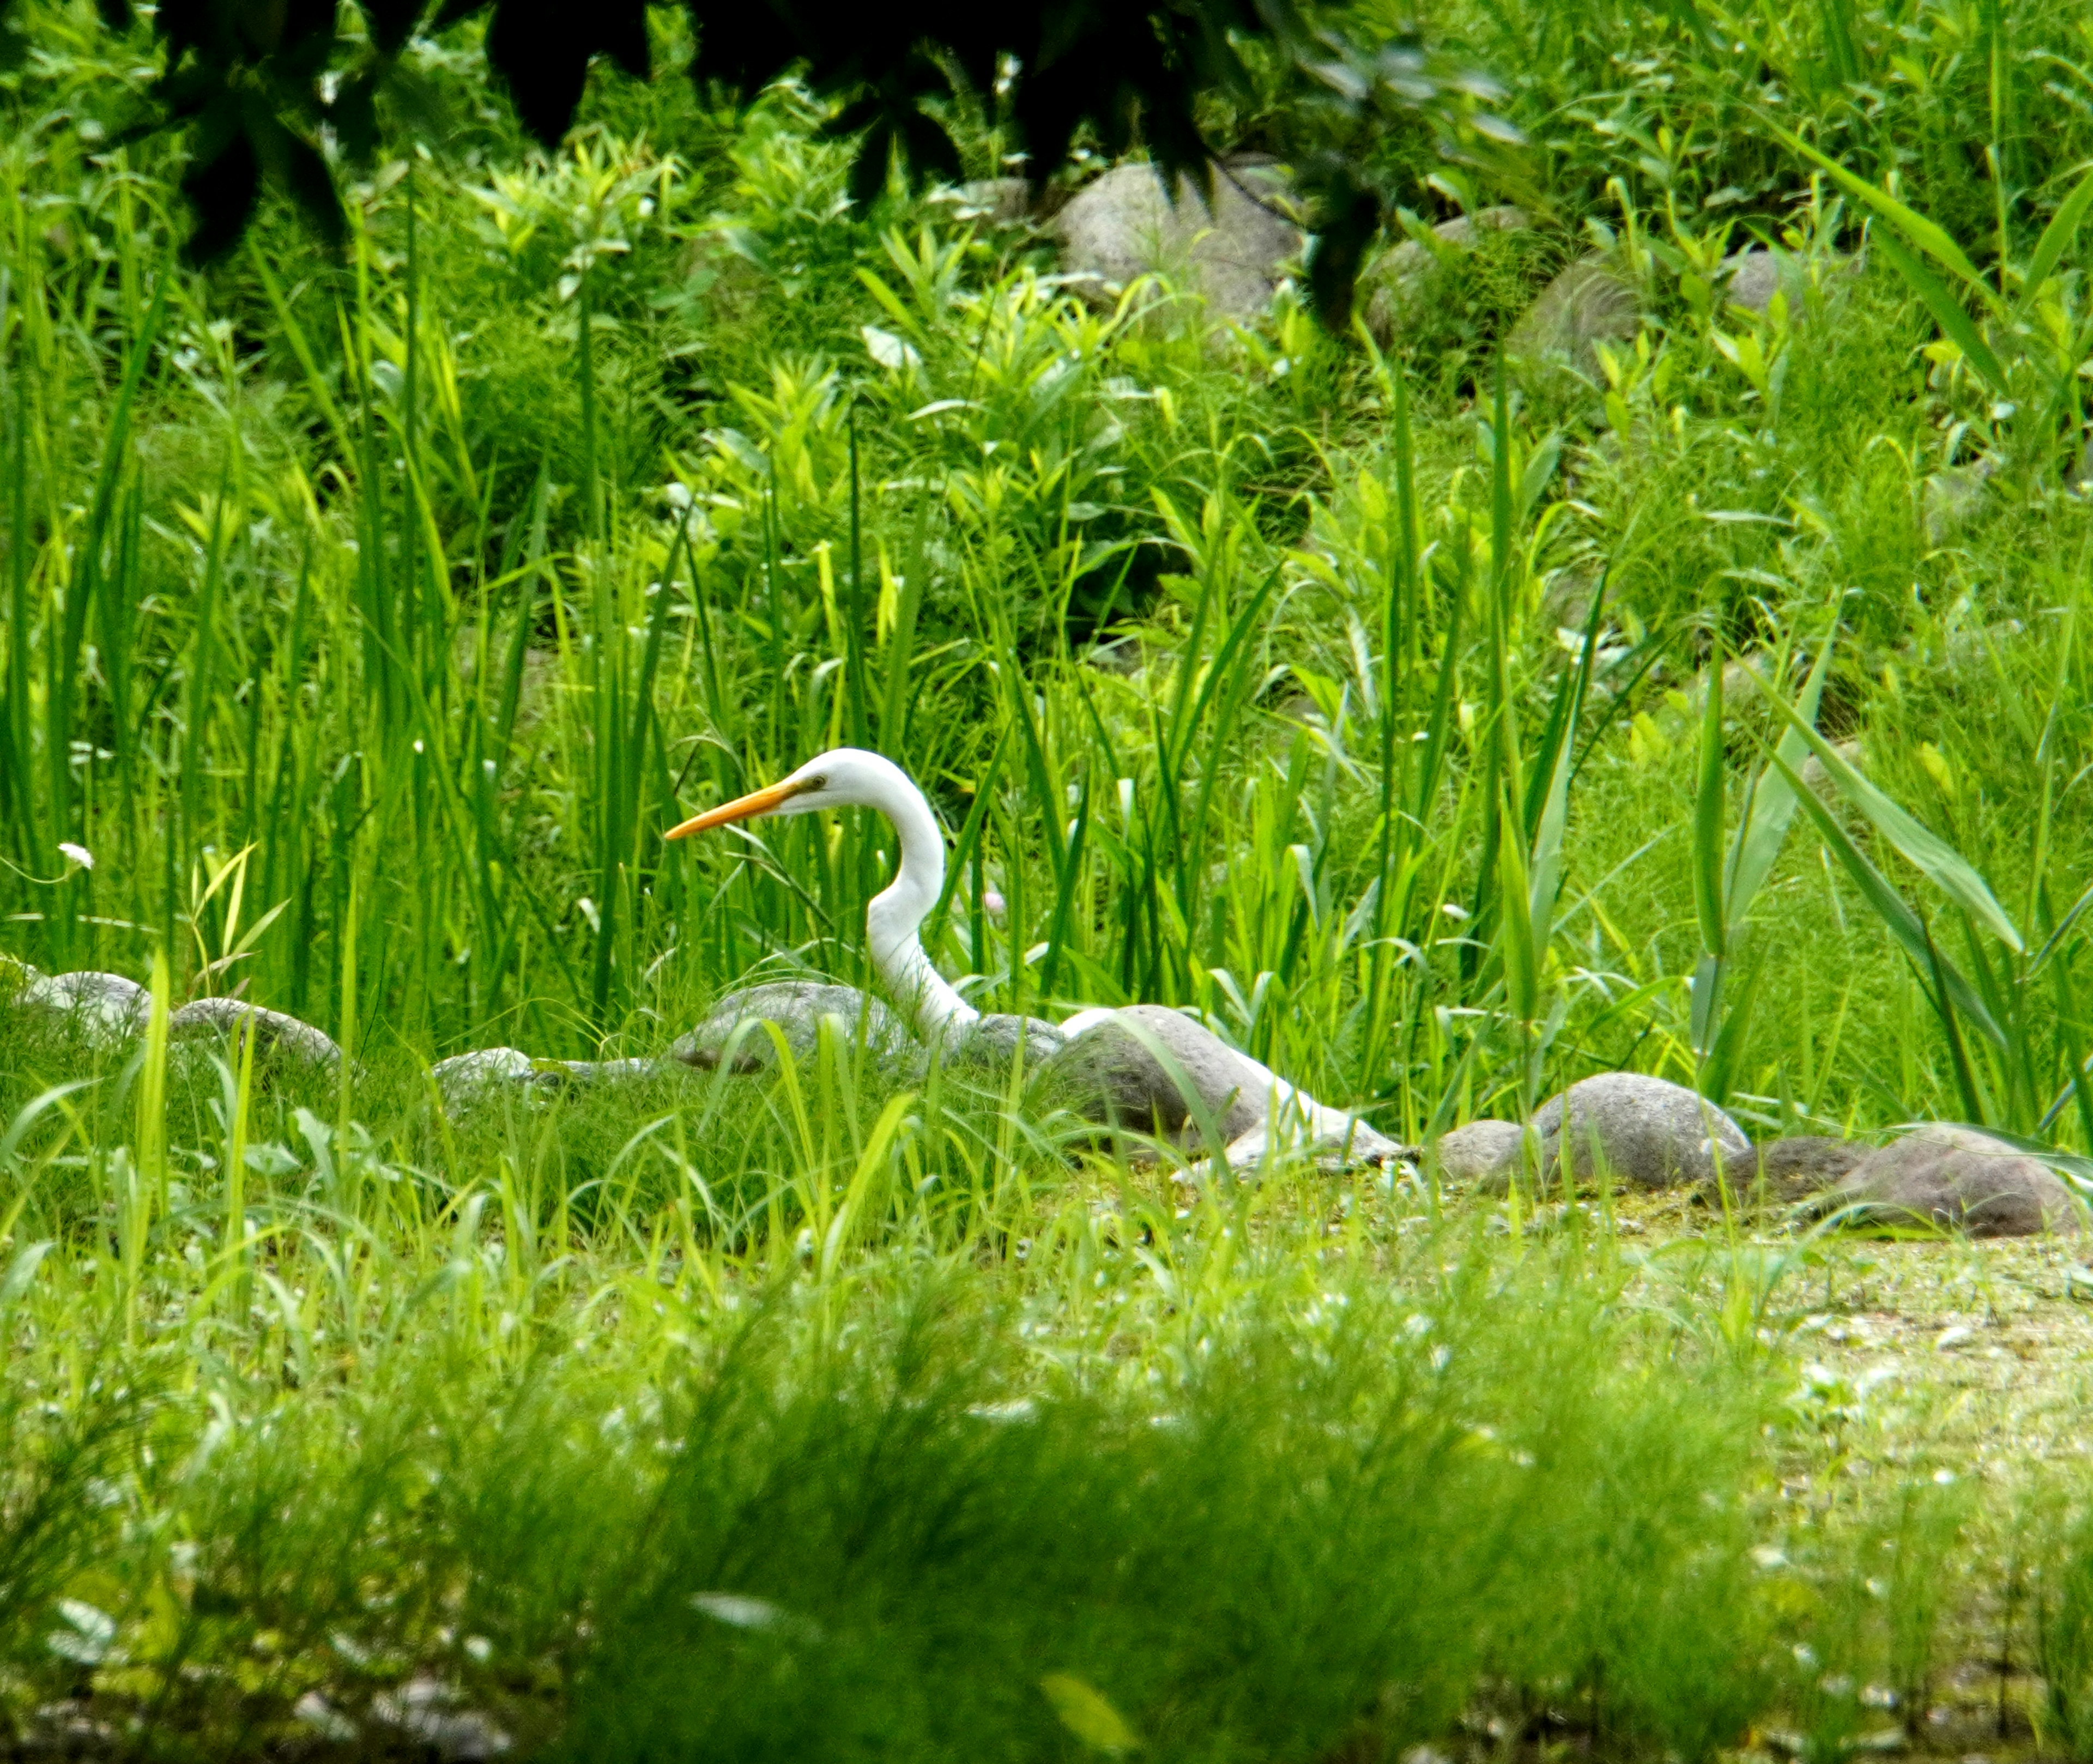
[{"x": 817, "y": 783}]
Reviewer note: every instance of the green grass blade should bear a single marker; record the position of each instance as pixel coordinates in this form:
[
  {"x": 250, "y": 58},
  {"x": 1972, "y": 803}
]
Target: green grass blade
[
  {"x": 1895, "y": 912},
  {"x": 1927, "y": 235},
  {"x": 1948, "y": 313},
  {"x": 1708, "y": 815},
  {"x": 1764, "y": 831},
  {"x": 2049, "y": 249},
  {"x": 1948, "y": 869}
]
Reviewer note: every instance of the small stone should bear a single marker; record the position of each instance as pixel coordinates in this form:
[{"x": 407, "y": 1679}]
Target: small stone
[
  {"x": 1802, "y": 1165},
  {"x": 1960, "y": 1179},
  {"x": 427, "y": 1710},
  {"x": 1234, "y": 253},
  {"x": 1399, "y": 279},
  {"x": 1750, "y": 278},
  {"x": 1817, "y": 776},
  {"x": 1000, "y": 201},
  {"x": 1954, "y": 496},
  {"x": 107, "y": 1008},
  {"x": 561, "y": 1074},
  {"x": 1589, "y": 303},
  {"x": 274, "y": 1031},
  {"x": 464, "y": 1079},
  {"x": 733, "y": 1030},
  {"x": 1648, "y": 1131},
  {"x": 1480, "y": 1151}
]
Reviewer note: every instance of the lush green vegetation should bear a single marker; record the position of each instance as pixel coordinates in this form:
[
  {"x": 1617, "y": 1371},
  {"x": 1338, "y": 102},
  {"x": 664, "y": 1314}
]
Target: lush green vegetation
[{"x": 367, "y": 618}]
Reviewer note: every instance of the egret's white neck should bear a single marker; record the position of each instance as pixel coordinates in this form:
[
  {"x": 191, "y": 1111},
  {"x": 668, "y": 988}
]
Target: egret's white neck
[{"x": 895, "y": 916}]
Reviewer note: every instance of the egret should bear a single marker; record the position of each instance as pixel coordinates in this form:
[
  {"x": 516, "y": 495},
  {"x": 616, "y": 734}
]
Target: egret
[{"x": 1122, "y": 1057}]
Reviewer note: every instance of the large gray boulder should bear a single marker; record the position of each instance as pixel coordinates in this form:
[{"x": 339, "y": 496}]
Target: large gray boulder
[
  {"x": 1396, "y": 283},
  {"x": 998, "y": 1037},
  {"x": 733, "y": 1035},
  {"x": 1126, "y": 225},
  {"x": 274, "y": 1031},
  {"x": 1592, "y": 302},
  {"x": 106, "y": 1008},
  {"x": 1960, "y": 1179},
  {"x": 1117, "y": 1074},
  {"x": 1156, "y": 1071},
  {"x": 1644, "y": 1130}
]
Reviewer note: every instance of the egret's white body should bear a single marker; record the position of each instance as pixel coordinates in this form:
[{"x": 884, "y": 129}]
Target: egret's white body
[{"x": 848, "y": 777}]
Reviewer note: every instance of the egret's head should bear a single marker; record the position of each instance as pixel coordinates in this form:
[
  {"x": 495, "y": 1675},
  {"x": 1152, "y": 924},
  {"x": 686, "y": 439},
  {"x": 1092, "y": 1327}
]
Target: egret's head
[{"x": 843, "y": 777}]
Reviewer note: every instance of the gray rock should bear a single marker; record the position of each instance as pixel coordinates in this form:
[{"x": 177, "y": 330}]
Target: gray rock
[
  {"x": 1751, "y": 278},
  {"x": 1954, "y": 496},
  {"x": 1115, "y": 1069},
  {"x": 733, "y": 1030},
  {"x": 1118, "y": 1080},
  {"x": 274, "y": 1031},
  {"x": 562, "y": 1074},
  {"x": 1000, "y": 201},
  {"x": 1590, "y": 302},
  {"x": 1966, "y": 1181},
  {"x": 1800, "y": 1166},
  {"x": 1336, "y": 1141},
  {"x": 1124, "y": 225},
  {"x": 1817, "y": 776},
  {"x": 1398, "y": 280},
  {"x": 1648, "y": 1131},
  {"x": 465, "y": 1079},
  {"x": 431, "y": 1713},
  {"x": 998, "y": 1037},
  {"x": 105, "y": 1007},
  {"x": 1480, "y": 1151}
]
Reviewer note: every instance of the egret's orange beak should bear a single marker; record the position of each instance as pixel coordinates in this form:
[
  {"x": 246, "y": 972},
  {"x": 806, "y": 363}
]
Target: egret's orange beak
[{"x": 768, "y": 800}]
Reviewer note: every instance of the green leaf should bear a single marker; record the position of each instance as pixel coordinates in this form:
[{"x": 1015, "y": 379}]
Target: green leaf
[
  {"x": 1948, "y": 313},
  {"x": 1928, "y": 235},
  {"x": 2063, "y": 930},
  {"x": 1085, "y": 1713},
  {"x": 1708, "y": 813},
  {"x": 1521, "y": 956},
  {"x": 1560, "y": 749},
  {"x": 21, "y": 1273},
  {"x": 1764, "y": 831},
  {"x": 1895, "y": 912},
  {"x": 2063, "y": 225},
  {"x": 1944, "y": 866}
]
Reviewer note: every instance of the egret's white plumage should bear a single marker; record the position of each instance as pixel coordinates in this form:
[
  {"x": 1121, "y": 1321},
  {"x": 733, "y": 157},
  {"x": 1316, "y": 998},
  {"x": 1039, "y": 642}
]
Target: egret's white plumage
[{"x": 847, "y": 778}]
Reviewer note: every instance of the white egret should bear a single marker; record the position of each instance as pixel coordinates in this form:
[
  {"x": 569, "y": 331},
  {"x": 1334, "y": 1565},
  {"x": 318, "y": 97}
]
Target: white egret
[{"x": 1123, "y": 1055}]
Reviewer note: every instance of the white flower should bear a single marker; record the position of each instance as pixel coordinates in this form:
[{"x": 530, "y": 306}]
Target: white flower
[{"x": 79, "y": 855}]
